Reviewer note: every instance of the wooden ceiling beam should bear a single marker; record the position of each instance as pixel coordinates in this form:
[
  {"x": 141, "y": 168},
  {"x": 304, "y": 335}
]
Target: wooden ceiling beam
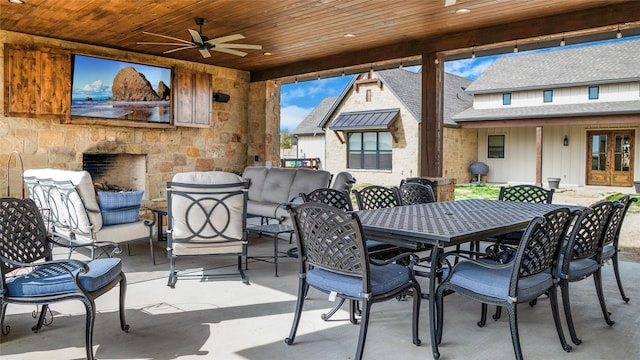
[{"x": 610, "y": 15}]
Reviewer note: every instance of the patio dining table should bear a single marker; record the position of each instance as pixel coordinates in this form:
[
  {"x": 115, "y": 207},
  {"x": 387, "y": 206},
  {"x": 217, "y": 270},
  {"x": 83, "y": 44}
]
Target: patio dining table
[{"x": 443, "y": 224}]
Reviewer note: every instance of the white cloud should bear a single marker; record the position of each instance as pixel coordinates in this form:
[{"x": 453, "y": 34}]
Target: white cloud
[
  {"x": 95, "y": 86},
  {"x": 291, "y": 116},
  {"x": 468, "y": 68}
]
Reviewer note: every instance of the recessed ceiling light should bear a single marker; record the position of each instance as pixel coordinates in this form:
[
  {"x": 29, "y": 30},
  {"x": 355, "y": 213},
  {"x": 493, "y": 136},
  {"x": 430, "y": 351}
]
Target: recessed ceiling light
[
  {"x": 20, "y": 2},
  {"x": 349, "y": 35},
  {"x": 267, "y": 53},
  {"x": 463, "y": 11}
]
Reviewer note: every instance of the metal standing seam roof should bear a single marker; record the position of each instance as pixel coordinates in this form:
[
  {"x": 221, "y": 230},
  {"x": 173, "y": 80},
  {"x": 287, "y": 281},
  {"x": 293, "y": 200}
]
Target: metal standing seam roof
[{"x": 365, "y": 120}]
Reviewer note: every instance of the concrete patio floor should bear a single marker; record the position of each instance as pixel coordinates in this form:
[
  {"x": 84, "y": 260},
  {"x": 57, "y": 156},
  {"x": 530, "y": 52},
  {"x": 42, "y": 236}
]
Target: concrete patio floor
[{"x": 221, "y": 318}]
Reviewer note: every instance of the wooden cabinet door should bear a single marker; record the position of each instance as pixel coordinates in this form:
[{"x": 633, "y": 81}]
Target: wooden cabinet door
[
  {"x": 38, "y": 82},
  {"x": 193, "y": 99}
]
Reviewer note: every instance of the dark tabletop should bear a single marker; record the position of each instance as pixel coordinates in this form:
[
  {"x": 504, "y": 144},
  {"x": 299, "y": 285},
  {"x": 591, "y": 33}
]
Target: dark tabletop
[{"x": 449, "y": 222}]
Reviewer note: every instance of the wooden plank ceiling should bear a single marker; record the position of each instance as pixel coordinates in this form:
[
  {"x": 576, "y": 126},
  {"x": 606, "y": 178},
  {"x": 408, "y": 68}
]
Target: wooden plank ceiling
[{"x": 308, "y": 36}]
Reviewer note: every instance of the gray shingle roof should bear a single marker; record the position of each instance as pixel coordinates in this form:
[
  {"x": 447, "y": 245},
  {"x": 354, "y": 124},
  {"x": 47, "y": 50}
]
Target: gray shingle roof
[
  {"x": 311, "y": 124},
  {"x": 407, "y": 86},
  {"x": 594, "y": 64},
  {"x": 548, "y": 111}
]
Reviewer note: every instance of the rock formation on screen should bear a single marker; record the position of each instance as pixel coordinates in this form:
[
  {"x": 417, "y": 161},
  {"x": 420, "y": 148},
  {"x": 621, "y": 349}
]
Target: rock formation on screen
[
  {"x": 163, "y": 91},
  {"x": 130, "y": 85}
]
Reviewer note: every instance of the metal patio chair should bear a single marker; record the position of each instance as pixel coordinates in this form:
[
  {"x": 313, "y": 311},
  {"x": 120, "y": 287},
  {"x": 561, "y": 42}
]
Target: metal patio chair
[
  {"x": 525, "y": 278},
  {"x": 579, "y": 258},
  {"x": 422, "y": 181},
  {"x": 377, "y": 197},
  {"x": 31, "y": 276},
  {"x": 333, "y": 259},
  {"x": 207, "y": 213},
  {"x": 414, "y": 193},
  {"x": 612, "y": 236}
]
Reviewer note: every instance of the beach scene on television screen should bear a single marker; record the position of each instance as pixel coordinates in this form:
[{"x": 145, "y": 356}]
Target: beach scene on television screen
[{"x": 121, "y": 90}]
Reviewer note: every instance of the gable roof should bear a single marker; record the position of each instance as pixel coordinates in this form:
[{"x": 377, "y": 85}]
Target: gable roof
[
  {"x": 311, "y": 123},
  {"x": 595, "y": 64},
  {"x": 407, "y": 88}
]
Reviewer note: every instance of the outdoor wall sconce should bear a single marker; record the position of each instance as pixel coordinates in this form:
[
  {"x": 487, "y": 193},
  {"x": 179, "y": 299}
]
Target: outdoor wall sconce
[
  {"x": 565, "y": 142},
  {"x": 221, "y": 97}
]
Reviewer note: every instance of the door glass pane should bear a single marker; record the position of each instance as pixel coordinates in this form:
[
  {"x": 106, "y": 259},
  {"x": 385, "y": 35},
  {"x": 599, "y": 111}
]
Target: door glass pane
[
  {"x": 622, "y": 152},
  {"x": 599, "y": 152}
]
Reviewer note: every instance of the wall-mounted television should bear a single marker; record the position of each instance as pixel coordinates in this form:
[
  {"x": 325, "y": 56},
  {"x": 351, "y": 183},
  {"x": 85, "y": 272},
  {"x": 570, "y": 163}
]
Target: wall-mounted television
[{"x": 113, "y": 89}]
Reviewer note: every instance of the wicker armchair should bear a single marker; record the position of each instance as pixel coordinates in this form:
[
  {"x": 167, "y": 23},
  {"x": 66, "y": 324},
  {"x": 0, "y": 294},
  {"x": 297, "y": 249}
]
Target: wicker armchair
[
  {"x": 612, "y": 236},
  {"x": 31, "y": 276},
  {"x": 522, "y": 280},
  {"x": 333, "y": 259}
]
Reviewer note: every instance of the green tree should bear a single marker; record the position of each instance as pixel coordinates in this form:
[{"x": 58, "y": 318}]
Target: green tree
[{"x": 285, "y": 140}]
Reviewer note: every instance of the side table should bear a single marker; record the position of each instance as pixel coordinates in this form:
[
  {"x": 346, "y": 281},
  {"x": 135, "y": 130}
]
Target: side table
[
  {"x": 273, "y": 230},
  {"x": 160, "y": 214}
]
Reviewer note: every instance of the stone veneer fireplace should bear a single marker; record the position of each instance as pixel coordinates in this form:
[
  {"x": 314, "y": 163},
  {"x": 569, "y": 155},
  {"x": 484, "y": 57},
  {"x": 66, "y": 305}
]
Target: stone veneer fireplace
[{"x": 126, "y": 170}]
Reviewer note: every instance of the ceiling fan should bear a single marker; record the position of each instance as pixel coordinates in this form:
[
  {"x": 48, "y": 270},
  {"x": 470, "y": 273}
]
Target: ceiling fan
[{"x": 203, "y": 44}]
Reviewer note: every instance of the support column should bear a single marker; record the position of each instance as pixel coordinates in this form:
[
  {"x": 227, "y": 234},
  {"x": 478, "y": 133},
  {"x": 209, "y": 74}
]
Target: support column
[
  {"x": 432, "y": 109},
  {"x": 539, "y": 155}
]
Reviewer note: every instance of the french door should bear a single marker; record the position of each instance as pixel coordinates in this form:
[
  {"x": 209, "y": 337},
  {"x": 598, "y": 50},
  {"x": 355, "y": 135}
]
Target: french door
[{"x": 610, "y": 157}]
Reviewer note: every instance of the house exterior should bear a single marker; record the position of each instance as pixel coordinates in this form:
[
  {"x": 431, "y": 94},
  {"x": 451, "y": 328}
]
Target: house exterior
[
  {"x": 571, "y": 114},
  {"x": 373, "y": 128},
  {"x": 310, "y": 141}
]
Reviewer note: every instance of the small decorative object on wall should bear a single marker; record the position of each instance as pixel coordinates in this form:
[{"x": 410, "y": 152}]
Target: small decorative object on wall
[{"x": 112, "y": 89}]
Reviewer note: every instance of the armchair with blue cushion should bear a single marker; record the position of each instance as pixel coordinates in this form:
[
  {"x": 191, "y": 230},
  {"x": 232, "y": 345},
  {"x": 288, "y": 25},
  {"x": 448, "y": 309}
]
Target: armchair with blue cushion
[
  {"x": 31, "y": 276},
  {"x": 525, "y": 278},
  {"x": 333, "y": 259}
]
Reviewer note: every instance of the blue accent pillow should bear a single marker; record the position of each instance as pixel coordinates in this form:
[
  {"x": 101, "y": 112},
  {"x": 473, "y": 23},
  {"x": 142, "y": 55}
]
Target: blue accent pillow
[{"x": 119, "y": 207}]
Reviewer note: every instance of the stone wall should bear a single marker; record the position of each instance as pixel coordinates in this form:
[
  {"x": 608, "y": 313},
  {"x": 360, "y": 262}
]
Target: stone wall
[{"x": 168, "y": 150}]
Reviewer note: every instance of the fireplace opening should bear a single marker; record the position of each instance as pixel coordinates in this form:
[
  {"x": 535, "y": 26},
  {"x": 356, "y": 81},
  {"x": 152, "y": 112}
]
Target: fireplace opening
[{"x": 127, "y": 171}]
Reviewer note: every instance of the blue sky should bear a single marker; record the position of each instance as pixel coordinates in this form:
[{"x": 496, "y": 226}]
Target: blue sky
[
  {"x": 298, "y": 99},
  {"x": 93, "y": 76}
]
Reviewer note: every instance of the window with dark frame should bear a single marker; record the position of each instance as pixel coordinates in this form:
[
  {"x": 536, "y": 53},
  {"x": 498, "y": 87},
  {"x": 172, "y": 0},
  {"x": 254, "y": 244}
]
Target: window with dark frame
[
  {"x": 594, "y": 92},
  {"x": 506, "y": 99},
  {"x": 495, "y": 147},
  {"x": 547, "y": 96},
  {"x": 369, "y": 150}
]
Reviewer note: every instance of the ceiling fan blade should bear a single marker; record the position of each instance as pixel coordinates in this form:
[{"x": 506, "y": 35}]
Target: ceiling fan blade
[
  {"x": 222, "y": 39},
  {"x": 229, "y": 51},
  {"x": 195, "y": 36},
  {"x": 158, "y": 43},
  {"x": 239, "y": 46},
  {"x": 167, "y": 37},
  {"x": 205, "y": 53},
  {"x": 180, "y": 48}
]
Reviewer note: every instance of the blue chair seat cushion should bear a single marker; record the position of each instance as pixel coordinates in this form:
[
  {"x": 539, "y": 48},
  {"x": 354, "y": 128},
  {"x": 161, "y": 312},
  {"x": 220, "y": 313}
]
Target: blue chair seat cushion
[
  {"x": 374, "y": 245},
  {"x": 514, "y": 236},
  {"x": 578, "y": 269},
  {"x": 608, "y": 251},
  {"x": 495, "y": 282},
  {"x": 383, "y": 279},
  {"x": 51, "y": 280}
]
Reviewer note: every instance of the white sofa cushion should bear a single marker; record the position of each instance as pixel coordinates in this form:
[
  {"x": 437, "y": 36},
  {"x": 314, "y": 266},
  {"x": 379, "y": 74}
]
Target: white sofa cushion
[{"x": 84, "y": 184}]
